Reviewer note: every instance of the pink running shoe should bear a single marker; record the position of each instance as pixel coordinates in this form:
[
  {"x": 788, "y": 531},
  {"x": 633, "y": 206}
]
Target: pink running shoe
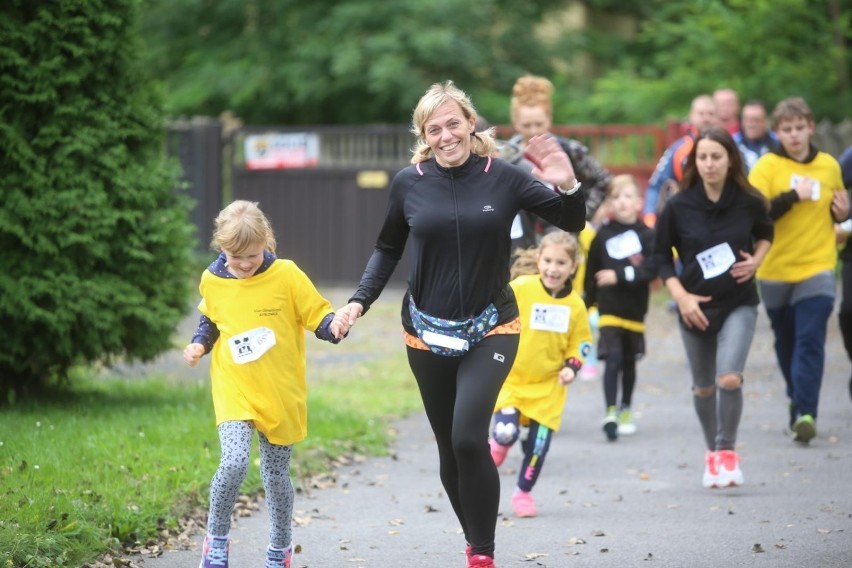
[
  {"x": 523, "y": 504},
  {"x": 480, "y": 561},
  {"x": 730, "y": 474},
  {"x": 711, "y": 469},
  {"x": 498, "y": 452}
]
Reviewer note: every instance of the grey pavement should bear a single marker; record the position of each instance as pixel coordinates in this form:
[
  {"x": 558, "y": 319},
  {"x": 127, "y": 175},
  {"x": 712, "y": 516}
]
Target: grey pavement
[{"x": 634, "y": 502}]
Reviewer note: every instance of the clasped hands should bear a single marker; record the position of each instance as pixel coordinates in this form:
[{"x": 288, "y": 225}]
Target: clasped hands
[{"x": 345, "y": 318}]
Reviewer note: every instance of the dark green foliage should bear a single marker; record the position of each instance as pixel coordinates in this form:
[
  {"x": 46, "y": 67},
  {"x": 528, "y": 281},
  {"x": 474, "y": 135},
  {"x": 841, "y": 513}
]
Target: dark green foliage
[
  {"x": 94, "y": 237},
  {"x": 367, "y": 61},
  {"x": 337, "y": 62}
]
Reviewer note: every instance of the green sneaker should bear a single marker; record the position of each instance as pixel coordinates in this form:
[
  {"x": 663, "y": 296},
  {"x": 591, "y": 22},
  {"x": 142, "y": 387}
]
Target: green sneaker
[
  {"x": 626, "y": 426},
  {"x": 610, "y": 424},
  {"x": 804, "y": 430}
]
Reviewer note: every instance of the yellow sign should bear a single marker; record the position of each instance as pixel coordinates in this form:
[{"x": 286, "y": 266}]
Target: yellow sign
[{"x": 372, "y": 179}]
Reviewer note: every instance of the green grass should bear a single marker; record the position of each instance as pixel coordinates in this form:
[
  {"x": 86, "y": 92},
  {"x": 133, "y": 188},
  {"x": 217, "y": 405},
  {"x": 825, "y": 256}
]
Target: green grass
[{"x": 108, "y": 461}]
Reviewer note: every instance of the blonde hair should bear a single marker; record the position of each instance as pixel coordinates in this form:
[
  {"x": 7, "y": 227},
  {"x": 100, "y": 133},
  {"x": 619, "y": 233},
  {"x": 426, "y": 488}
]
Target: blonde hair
[
  {"x": 621, "y": 181},
  {"x": 240, "y": 226},
  {"x": 531, "y": 90},
  {"x": 483, "y": 143},
  {"x": 526, "y": 261}
]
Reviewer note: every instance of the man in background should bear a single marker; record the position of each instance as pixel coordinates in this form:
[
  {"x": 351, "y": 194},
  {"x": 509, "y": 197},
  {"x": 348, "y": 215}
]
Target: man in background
[{"x": 755, "y": 138}]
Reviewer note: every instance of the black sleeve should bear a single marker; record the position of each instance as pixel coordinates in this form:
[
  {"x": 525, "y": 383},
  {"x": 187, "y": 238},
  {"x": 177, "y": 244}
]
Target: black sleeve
[
  {"x": 763, "y": 227},
  {"x": 663, "y": 258},
  {"x": 568, "y": 212},
  {"x": 646, "y": 270},
  {"x": 782, "y": 203},
  {"x": 323, "y": 330},
  {"x": 206, "y": 334},
  {"x": 590, "y": 286},
  {"x": 389, "y": 248}
]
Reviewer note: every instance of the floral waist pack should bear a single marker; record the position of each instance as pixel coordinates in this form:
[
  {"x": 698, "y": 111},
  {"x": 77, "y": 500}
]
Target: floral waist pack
[{"x": 452, "y": 338}]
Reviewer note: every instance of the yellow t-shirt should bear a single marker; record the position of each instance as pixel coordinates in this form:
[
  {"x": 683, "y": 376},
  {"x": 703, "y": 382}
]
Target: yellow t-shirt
[
  {"x": 804, "y": 242},
  {"x": 270, "y": 391},
  {"x": 552, "y": 330}
]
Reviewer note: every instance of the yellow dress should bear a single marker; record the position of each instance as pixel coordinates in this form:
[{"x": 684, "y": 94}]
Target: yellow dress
[
  {"x": 271, "y": 390},
  {"x": 552, "y": 331}
]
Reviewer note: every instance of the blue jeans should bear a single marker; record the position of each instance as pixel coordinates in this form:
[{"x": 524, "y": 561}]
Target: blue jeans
[{"x": 800, "y": 331}]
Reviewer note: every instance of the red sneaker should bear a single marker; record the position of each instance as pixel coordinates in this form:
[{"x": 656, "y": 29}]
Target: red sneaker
[
  {"x": 730, "y": 474},
  {"x": 480, "y": 561}
]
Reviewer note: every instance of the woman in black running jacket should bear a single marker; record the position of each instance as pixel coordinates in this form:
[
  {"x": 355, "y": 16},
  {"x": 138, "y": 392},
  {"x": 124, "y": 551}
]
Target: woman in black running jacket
[{"x": 455, "y": 204}]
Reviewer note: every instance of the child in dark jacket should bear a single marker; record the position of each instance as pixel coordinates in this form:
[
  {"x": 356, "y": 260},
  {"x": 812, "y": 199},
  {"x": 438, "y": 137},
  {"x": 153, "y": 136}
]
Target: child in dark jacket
[{"x": 618, "y": 275}]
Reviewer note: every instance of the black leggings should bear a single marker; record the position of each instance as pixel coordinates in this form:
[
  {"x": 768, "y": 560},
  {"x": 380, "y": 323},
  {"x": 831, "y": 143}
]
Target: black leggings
[{"x": 458, "y": 395}]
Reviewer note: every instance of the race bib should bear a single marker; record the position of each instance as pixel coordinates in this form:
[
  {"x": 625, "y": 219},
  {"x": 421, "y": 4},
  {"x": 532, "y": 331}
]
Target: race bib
[
  {"x": 623, "y": 245},
  {"x": 716, "y": 260},
  {"x": 550, "y": 317},
  {"x": 251, "y": 345},
  {"x": 815, "y": 185}
]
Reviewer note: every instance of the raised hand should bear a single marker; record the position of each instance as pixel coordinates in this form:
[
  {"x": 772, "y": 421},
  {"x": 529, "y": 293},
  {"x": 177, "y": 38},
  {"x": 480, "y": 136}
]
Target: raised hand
[{"x": 550, "y": 161}]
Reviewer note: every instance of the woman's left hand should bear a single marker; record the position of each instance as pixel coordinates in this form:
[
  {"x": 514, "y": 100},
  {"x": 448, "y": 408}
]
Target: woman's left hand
[
  {"x": 744, "y": 270},
  {"x": 550, "y": 162}
]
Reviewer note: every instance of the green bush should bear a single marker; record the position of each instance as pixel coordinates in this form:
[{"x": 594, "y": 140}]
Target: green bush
[{"x": 95, "y": 239}]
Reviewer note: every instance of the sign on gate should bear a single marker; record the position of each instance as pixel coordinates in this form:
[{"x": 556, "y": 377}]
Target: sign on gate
[{"x": 281, "y": 151}]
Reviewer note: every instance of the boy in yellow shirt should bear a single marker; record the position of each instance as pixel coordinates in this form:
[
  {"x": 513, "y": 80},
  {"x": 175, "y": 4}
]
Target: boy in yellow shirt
[{"x": 797, "y": 283}]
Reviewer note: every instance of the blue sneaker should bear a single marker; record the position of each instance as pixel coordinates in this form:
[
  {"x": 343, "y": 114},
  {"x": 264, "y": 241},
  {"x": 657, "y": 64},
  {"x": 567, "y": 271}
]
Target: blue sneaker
[
  {"x": 279, "y": 558},
  {"x": 214, "y": 552}
]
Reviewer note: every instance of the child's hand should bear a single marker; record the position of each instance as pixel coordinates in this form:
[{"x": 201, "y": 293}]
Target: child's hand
[
  {"x": 566, "y": 376},
  {"x": 193, "y": 353}
]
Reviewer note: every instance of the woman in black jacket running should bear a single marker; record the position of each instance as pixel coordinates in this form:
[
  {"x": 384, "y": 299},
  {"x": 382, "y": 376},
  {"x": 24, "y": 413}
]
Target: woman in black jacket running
[{"x": 455, "y": 204}]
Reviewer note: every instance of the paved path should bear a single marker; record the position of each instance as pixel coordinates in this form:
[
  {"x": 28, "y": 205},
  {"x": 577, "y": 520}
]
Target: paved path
[{"x": 636, "y": 502}]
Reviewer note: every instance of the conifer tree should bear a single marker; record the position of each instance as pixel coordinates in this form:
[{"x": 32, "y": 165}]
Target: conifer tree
[{"x": 95, "y": 239}]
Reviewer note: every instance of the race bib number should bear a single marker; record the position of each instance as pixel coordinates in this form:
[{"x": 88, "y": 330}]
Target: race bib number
[
  {"x": 623, "y": 245},
  {"x": 550, "y": 317},
  {"x": 715, "y": 261},
  {"x": 251, "y": 345},
  {"x": 815, "y": 185}
]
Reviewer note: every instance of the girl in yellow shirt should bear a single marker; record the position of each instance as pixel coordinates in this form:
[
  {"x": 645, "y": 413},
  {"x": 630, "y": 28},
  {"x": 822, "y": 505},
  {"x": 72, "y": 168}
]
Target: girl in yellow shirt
[
  {"x": 255, "y": 308},
  {"x": 555, "y": 339}
]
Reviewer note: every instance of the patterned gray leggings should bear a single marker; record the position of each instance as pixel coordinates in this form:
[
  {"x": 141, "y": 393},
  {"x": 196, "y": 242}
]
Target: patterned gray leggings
[{"x": 235, "y": 441}]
